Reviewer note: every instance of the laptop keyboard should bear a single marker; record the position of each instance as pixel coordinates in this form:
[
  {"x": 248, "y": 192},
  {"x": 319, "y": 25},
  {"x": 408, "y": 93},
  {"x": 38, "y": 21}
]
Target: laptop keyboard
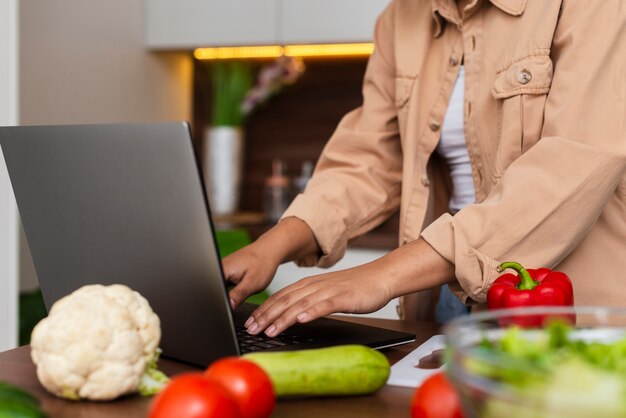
[{"x": 249, "y": 343}]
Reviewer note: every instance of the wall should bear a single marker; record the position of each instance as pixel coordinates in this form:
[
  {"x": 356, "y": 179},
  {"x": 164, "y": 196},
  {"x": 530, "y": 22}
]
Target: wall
[
  {"x": 8, "y": 212},
  {"x": 294, "y": 125},
  {"x": 84, "y": 61}
]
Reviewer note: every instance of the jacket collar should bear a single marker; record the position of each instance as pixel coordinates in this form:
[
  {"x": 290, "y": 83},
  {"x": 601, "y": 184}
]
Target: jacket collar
[{"x": 445, "y": 10}]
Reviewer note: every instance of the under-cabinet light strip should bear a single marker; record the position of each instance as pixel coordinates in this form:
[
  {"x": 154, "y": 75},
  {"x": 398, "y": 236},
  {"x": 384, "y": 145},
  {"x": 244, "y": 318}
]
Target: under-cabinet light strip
[
  {"x": 322, "y": 50},
  {"x": 238, "y": 52}
]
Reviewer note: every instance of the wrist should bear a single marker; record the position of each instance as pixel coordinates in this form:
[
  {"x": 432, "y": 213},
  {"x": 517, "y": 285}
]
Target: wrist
[{"x": 289, "y": 240}]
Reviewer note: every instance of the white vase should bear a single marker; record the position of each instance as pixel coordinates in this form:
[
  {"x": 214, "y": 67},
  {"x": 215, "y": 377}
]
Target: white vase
[{"x": 223, "y": 167}]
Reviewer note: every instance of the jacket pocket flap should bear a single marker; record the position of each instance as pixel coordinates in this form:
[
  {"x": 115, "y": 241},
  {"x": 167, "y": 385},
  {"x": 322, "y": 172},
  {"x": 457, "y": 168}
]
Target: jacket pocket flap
[{"x": 529, "y": 75}]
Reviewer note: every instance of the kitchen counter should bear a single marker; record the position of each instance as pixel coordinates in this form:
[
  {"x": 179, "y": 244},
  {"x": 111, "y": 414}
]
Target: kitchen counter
[{"x": 16, "y": 367}]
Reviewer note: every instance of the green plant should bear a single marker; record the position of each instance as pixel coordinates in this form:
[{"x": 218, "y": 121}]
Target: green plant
[
  {"x": 32, "y": 310},
  {"x": 231, "y": 80}
]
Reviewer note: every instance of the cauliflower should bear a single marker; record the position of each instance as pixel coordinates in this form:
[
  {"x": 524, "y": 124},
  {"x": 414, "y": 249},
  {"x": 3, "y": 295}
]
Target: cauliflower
[{"x": 98, "y": 343}]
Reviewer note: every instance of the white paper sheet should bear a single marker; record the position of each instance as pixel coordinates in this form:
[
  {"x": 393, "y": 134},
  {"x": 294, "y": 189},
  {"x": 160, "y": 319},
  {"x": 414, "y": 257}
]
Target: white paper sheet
[{"x": 406, "y": 373}]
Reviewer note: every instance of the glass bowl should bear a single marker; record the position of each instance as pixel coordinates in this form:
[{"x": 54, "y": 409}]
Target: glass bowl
[{"x": 539, "y": 362}]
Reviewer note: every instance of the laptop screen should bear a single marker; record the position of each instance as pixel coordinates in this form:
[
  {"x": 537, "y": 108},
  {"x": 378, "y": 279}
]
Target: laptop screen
[{"x": 124, "y": 204}]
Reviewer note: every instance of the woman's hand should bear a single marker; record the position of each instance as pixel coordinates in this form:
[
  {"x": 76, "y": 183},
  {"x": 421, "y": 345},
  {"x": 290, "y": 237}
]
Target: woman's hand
[
  {"x": 349, "y": 291},
  {"x": 361, "y": 289},
  {"x": 252, "y": 268}
]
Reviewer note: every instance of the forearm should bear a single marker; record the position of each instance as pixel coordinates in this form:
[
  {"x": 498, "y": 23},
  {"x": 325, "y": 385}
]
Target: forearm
[
  {"x": 291, "y": 239},
  {"x": 411, "y": 268}
]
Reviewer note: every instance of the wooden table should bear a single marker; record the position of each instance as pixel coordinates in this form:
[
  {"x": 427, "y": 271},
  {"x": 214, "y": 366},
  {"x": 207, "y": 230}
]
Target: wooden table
[{"x": 17, "y": 367}]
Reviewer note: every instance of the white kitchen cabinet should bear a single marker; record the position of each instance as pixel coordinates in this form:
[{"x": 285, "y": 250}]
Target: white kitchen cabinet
[
  {"x": 329, "y": 21},
  {"x": 187, "y": 24}
]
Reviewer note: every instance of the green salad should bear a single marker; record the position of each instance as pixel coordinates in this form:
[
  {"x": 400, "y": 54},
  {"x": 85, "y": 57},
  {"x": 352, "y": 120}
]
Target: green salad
[{"x": 556, "y": 372}]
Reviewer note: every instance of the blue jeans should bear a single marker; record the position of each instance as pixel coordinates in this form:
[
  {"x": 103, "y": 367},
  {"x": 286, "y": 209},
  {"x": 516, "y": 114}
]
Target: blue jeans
[{"x": 449, "y": 306}]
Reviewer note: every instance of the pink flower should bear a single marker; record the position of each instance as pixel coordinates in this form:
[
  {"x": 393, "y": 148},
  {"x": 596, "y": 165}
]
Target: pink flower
[{"x": 272, "y": 78}]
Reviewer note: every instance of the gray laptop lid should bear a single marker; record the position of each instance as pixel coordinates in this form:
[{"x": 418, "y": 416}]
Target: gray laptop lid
[
  {"x": 122, "y": 204},
  {"x": 126, "y": 204}
]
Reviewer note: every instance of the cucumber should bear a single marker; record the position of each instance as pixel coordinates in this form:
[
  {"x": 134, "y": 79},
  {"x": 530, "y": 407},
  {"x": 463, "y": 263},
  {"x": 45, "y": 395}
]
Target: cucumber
[
  {"x": 333, "y": 371},
  {"x": 16, "y": 409},
  {"x": 17, "y": 403},
  {"x": 9, "y": 392}
]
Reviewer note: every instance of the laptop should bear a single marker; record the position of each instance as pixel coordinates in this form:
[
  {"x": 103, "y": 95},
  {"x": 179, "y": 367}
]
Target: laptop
[{"x": 125, "y": 203}]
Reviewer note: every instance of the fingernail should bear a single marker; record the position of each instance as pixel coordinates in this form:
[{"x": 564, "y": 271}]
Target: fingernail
[
  {"x": 232, "y": 304},
  {"x": 271, "y": 330},
  {"x": 248, "y": 322},
  {"x": 253, "y": 327},
  {"x": 302, "y": 316}
]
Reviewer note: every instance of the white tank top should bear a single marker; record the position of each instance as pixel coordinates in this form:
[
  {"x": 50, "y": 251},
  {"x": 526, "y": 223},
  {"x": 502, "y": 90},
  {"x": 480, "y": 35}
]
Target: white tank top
[{"x": 453, "y": 148}]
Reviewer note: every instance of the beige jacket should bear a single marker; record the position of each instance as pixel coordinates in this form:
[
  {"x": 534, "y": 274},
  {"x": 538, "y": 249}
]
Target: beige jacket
[{"x": 545, "y": 125}]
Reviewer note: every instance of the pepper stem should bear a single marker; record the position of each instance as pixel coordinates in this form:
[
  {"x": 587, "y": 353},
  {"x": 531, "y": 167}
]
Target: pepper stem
[{"x": 526, "y": 282}]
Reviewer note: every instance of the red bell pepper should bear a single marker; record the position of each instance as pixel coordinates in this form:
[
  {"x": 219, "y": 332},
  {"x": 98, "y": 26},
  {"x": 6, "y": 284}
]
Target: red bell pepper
[{"x": 540, "y": 287}]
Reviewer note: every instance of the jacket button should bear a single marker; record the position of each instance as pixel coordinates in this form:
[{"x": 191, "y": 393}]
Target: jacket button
[
  {"x": 434, "y": 126},
  {"x": 453, "y": 60},
  {"x": 425, "y": 181},
  {"x": 524, "y": 77}
]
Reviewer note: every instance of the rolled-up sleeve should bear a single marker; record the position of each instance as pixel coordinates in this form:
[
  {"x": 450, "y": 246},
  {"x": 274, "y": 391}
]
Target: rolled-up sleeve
[
  {"x": 550, "y": 197},
  {"x": 357, "y": 180}
]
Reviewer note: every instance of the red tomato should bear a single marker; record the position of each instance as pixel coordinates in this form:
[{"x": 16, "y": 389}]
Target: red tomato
[
  {"x": 248, "y": 384},
  {"x": 193, "y": 395},
  {"x": 436, "y": 398}
]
